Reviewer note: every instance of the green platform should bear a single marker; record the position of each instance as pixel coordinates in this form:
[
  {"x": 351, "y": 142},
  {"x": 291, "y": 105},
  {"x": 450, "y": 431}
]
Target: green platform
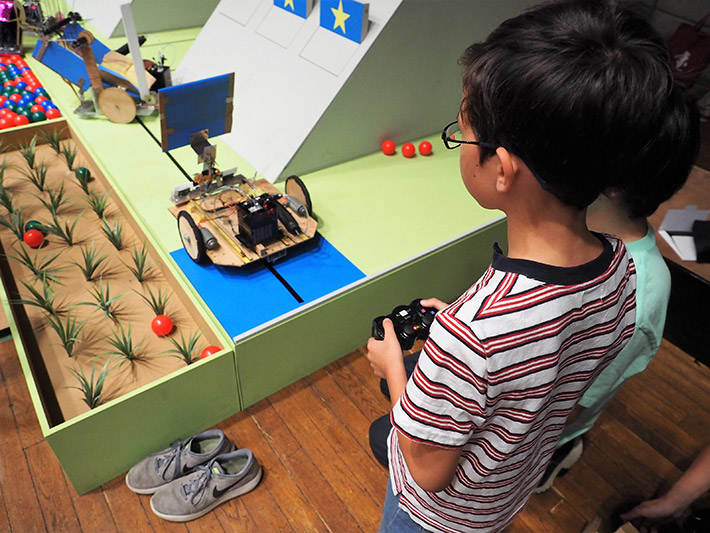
[{"x": 408, "y": 224}]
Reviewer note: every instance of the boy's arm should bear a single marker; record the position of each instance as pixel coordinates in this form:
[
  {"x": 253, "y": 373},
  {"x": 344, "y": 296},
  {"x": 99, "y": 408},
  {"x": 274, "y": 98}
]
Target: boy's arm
[
  {"x": 691, "y": 485},
  {"x": 432, "y": 467}
]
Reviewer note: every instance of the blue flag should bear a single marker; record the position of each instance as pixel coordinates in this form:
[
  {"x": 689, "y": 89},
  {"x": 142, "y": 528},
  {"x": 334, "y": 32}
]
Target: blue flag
[
  {"x": 345, "y": 17},
  {"x": 302, "y": 8}
]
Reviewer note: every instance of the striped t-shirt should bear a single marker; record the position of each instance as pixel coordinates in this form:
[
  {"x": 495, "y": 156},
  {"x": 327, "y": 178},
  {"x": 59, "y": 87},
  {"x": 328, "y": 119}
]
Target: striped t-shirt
[{"x": 502, "y": 368}]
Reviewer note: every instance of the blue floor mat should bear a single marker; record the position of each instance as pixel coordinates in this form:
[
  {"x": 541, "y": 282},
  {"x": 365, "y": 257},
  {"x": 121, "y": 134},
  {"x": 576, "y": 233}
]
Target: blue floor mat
[{"x": 246, "y": 297}]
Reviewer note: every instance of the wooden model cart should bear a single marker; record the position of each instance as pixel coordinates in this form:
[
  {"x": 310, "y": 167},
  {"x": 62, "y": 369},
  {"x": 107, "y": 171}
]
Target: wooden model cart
[
  {"x": 242, "y": 221},
  {"x": 224, "y": 217}
]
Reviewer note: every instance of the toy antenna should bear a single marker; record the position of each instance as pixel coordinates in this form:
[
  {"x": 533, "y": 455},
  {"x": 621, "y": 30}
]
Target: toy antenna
[{"x": 129, "y": 27}]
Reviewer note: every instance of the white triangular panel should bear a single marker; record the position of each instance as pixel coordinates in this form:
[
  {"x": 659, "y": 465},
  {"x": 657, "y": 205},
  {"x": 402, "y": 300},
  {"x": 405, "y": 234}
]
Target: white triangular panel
[{"x": 306, "y": 98}]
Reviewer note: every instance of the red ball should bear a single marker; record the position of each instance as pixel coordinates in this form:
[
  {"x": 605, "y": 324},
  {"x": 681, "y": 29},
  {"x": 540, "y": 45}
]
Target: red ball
[
  {"x": 53, "y": 113},
  {"x": 210, "y": 350},
  {"x": 20, "y": 120},
  {"x": 33, "y": 238},
  {"x": 425, "y": 148},
  {"x": 388, "y": 147},
  {"x": 41, "y": 99},
  {"x": 408, "y": 150},
  {"x": 37, "y": 108},
  {"x": 15, "y": 97},
  {"x": 161, "y": 325}
]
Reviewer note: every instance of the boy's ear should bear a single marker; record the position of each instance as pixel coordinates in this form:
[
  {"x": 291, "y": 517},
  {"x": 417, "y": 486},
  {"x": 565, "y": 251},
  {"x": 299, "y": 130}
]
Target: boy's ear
[{"x": 507, "y": 171}]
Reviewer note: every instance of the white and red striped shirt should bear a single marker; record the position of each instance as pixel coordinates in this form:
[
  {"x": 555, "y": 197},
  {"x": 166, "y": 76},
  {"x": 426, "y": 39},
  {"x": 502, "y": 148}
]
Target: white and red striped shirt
[{"x": 503, "y": 367}]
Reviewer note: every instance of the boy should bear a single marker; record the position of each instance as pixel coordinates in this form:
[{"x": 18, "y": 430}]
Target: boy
[
  {"x": 557, "y": 103},
  {"x": 622, "y": 212}
]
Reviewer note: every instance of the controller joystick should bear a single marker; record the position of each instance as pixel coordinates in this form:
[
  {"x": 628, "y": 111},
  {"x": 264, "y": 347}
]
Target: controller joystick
[
  {"x": 426, "y": 314},
  {"x": 411, "y": 322}
]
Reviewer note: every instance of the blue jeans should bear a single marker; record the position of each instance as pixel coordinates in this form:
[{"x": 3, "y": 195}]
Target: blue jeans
[{"x": 394, "y": 519}]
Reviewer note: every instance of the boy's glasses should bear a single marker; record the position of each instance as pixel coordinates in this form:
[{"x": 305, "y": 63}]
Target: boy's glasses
[{"x": 453, "y": 138}]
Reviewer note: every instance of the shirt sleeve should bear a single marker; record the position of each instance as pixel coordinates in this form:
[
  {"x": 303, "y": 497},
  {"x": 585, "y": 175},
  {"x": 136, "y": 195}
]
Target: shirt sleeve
[
  {"x": 633, "y": 358},
  {"x": 445, "y": 399}
]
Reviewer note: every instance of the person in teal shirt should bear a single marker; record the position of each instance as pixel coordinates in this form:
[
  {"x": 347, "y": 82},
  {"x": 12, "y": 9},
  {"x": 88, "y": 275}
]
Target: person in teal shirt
[{"x": 623, "y": 212}]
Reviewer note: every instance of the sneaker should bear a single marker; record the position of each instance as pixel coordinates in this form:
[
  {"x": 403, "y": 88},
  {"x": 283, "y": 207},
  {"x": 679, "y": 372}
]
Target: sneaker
[
  {"x": 223, "y": 478},
  {"x": 180, "y": 459},
  {"x": 563, "y": 459}
]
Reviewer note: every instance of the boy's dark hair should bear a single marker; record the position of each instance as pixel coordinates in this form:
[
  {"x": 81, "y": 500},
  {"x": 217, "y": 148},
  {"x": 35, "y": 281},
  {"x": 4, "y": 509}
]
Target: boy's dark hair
[
  {"x": 578, "y": 89},
  {"x": 666, "y": 161}
]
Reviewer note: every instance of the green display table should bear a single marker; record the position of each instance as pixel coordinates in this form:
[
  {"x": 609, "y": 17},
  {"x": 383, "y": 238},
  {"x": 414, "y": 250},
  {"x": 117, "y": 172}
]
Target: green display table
[{"x": 407, "y": 224}]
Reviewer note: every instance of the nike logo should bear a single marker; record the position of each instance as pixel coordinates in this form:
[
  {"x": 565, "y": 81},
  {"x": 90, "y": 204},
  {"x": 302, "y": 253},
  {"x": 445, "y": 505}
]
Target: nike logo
[{"x": 216, "y": 493}]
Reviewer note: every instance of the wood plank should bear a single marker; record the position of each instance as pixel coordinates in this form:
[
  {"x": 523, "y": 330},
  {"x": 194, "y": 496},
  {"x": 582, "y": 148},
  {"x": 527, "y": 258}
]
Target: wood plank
[
  {"x": 691, "y": 377},
  {"x": 272, "y": 494},
  {"x": 283, "y": 488},
  {"x": 126, "y": 508},
  {"x": 301, "y": 468},
  {"x": 21, "y": 403},
  {"x": 551, "y": 505},
  {"x": 353, "y": 375},
  {"x": 51, "y": 487},
  {"x": 348, "y": 413},
  {"x": 21, "y": 501},
  {"x": 670, "y": 440},
  {"x": 363, "y": 466},
  {"x": 317, "y": 444},
  {"x": 628, "y": 463},
  {"x": 91, "y": 509}
]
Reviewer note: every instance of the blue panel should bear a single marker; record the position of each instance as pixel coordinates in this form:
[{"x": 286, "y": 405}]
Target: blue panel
[
  {"x": 64, "y": 62},
  {"x": 246, "y": 297},
  {"x": 348, "y": 18},
  {"x": 297, "y": 7},
  {"x": 198, "y": 105},
  {"x": 68, "y": 63},
  {"x": 72, "y": 30},
  {"x": 317, "y": 268}
]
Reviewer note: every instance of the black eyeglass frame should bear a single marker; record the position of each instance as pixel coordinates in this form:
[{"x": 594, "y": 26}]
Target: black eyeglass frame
[{"x": 452, "y": 144}]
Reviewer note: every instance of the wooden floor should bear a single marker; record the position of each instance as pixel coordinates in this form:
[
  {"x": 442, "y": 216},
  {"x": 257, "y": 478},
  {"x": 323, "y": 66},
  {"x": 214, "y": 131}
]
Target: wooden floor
[{"x": 311, "y": 439}]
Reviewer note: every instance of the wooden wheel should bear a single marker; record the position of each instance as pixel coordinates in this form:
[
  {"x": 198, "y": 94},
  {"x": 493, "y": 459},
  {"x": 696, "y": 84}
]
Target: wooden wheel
[
  {"x": 296, "y": 188},
  {"x": 117, "y": 105},
  {"x": 191, "y": 237}
]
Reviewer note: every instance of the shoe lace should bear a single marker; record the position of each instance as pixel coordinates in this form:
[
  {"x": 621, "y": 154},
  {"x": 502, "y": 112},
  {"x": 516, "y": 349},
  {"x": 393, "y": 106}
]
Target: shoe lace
[
  {"x": 197, "y": 486},
  {"x": 175, "y": 454}
]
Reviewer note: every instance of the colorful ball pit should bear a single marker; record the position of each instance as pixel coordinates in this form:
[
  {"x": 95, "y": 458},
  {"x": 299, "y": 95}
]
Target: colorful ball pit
[{"x": 23, "y": 100}]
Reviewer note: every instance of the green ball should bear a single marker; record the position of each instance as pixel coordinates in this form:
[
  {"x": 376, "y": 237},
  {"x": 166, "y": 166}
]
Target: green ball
[
  {"x": 24, "y": 111},
  {"x": 37, "y": 117},
  {"x": 82, "y": 174},
  {"x": 35, "y": 224}
]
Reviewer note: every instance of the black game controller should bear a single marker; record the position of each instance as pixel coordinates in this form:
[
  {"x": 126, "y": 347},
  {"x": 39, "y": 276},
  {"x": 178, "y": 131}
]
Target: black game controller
[{"x": 411, "y": 322}]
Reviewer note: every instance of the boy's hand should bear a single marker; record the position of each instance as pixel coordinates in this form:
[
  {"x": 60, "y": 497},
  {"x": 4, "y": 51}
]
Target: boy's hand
[
  {"x": 650, "y": 515},
  {"x": 385, "y": 356},
  {"x": 435, "y": 303}
]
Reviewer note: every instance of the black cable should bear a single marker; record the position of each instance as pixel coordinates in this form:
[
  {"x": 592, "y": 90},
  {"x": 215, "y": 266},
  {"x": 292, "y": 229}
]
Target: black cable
[
  {"x": 283, "y": 282},
  {"x": 166, "y": 153},
  {"x": 267, "y": 264}
]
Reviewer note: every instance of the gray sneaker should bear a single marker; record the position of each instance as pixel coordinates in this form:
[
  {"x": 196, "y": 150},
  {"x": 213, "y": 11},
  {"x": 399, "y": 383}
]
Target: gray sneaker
[
  {"x": 223, "y": 478},
  {"x": 179, "y": 460}
]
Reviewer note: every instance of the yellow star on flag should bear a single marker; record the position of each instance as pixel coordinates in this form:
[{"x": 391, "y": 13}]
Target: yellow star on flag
[
  {"x": 289, "y": 3},
  {"x": 340, "y": 17}
]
